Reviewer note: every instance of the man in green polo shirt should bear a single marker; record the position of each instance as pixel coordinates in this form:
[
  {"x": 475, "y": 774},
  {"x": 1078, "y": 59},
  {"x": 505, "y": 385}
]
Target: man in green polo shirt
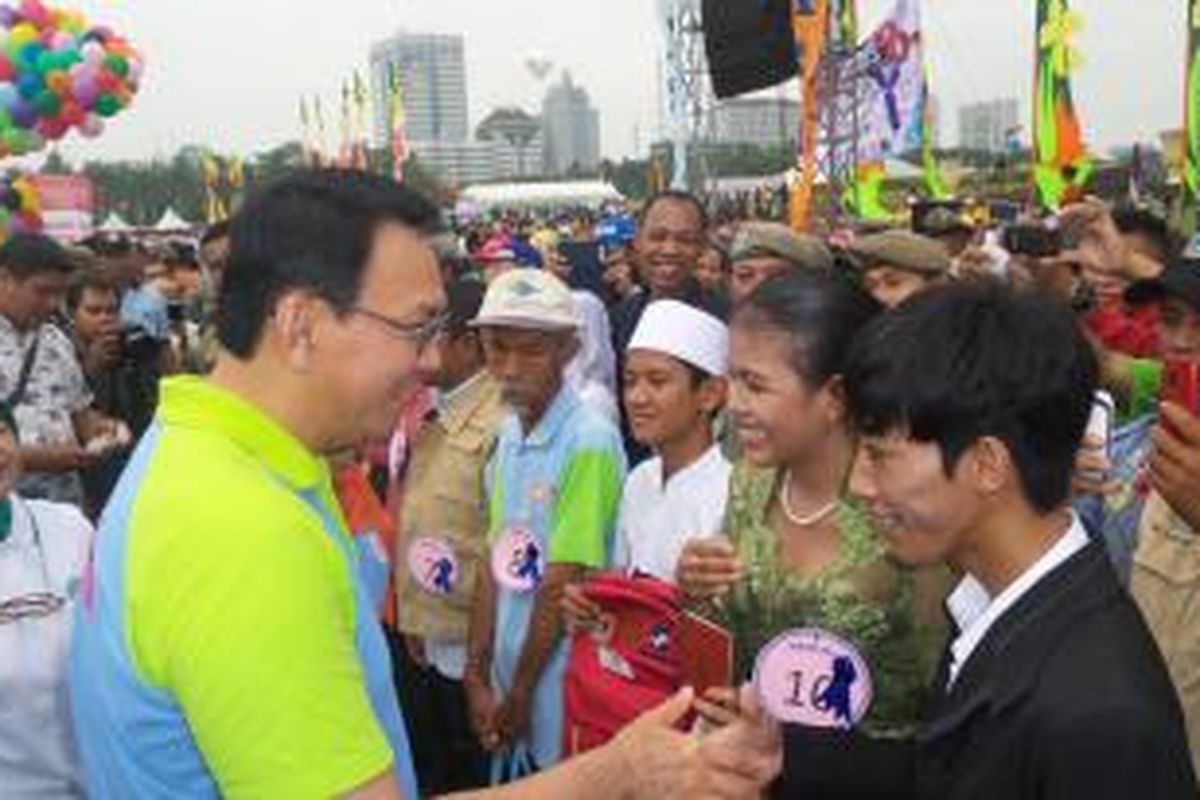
[{"x": 226, "y": 643}]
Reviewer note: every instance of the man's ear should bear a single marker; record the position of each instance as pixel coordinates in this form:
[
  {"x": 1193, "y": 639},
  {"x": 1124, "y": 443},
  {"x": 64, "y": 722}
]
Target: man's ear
[
  {"x": 989, "y": 466},
  {"x": 713, "y": 394},
  {"x": 294, "y": 327}
]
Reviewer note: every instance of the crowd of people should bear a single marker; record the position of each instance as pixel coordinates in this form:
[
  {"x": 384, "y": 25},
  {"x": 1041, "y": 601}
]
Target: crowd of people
[{"x": 347, "y": 499}]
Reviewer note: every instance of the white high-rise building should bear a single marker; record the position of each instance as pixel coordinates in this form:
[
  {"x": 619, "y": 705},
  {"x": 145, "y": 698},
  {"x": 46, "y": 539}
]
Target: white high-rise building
[
  {"x": 433, "y": 78},
  {"x": 987, "y": 126},
  {"x": 571, "y": 129}
]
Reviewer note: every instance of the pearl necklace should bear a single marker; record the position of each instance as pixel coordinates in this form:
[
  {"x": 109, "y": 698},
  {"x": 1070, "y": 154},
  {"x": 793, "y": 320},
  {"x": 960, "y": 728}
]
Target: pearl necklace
[{"x": 797, "y": 519}]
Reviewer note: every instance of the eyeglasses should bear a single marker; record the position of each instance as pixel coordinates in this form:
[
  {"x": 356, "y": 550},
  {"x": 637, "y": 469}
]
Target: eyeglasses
[{"x": 420, "y": 335}]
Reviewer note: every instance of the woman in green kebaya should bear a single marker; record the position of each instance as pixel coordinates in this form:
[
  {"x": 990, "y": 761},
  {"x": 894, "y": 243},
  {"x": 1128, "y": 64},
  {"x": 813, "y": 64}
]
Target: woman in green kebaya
[{"x": 798, "y": 551}]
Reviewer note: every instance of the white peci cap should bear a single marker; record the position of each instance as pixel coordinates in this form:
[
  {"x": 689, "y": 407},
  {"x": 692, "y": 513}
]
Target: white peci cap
[{"x": 684, "y": 332}]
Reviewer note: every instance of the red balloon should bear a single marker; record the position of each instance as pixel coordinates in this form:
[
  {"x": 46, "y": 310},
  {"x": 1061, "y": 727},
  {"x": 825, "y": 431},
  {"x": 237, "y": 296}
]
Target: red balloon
[
  {"x": 72, "y": 114},
  {"x": 106, "y": 81},
  {"x": 36, "y": 13},
  {"x": 51, "y": 128},
  {"x": 7, "y": 73}
]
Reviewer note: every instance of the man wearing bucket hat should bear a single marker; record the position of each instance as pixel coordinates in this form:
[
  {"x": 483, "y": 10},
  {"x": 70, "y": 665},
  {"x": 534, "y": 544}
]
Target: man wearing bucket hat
[
  {"x": 897, "y": 264},
  {"x": 554, "y": 484},
  {"x": 762, "y": 250}
]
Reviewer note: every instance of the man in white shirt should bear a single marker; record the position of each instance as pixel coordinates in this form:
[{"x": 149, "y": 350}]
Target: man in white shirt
[
  {"x": 674, "y": 385},
  {"x": 971, "y": 403}
]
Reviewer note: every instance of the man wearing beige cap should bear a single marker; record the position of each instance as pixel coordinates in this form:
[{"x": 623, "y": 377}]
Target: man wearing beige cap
[
  {"x": 762, "y": 250},
  {"x": 897, "y": 264},
  {"x": 554, "y": 485}
]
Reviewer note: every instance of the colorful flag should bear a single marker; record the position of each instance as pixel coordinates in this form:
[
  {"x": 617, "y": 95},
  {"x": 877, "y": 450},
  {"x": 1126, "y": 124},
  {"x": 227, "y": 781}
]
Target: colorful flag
[
  {"x": 810, "y": 26},
  {"x": 865, "y": 198},
  {"x": 891, "y": 99},
  {"x": 359, "y": 156},
  {"x": 1191, "y": 147},
  {"x": 215, "y": 209},
  {"x": 1061, "y": 164},
  {"x": 307, "y": 139},
  {"x": 847, "y": 23},
  {"x": 345, "y": 148},
  {"x": 399, "y": 135},
  {"x": 320, "y": 133},
  {"x": 935, "y": 183},
  {"x": 236, "y": 173}
]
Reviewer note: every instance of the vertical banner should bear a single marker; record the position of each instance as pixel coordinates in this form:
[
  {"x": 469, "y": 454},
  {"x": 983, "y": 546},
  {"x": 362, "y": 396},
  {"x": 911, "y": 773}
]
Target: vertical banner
[
  {"x": 345, "y": 147},
  {"x": 399, "y": 134},
  {"x": 889, "y": 68},
  {"x": 1191, "y": 128},
  {"x": 235, "y": 176},
  {"x": 306, "y": 138},
  {"x": 847, "y": 23},
  {"x": 674, "y": 87},
  {"x": 1061, "y": 164},
  {"x": 320, "y": 133},
  {"x": 359, "y": 156},
  {"x": 810, "y": 26},
  {"x": 935, "y": 183},
  {"x": 215, "y": 209}
]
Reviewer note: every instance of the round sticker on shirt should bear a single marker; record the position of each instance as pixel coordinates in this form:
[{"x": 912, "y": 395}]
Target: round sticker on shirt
[
  {"x": 812, "y": 677},
  {"x": 432, "y": 565},
  {"x": 518, "y": 562}
]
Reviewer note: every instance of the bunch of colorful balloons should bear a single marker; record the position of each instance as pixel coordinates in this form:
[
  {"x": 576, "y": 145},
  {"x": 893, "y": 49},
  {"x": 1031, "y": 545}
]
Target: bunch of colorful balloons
[
  {"x": 57, "y": 73},
  {"x": 20, "y": 209}
]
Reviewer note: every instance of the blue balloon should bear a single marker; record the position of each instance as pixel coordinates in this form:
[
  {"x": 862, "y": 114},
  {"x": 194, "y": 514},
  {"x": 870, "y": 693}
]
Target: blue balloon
[
  {"x": 23, "y": 114},
  {"x": 29, "y": 85},
  {"x": 30, "y": 54},
  {"x": 8, "y": 96}
]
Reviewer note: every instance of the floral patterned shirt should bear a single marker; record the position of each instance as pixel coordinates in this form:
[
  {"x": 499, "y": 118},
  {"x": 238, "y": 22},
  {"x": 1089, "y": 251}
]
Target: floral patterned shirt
[{"x": 56, "y": 391}]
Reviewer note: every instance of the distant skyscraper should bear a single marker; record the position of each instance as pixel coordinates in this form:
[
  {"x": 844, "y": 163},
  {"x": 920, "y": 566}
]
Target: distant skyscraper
[
  {"x": 988, "y": 126},
  {"x": 571, "y": 129},
  {"x": 433, "y": 77}
]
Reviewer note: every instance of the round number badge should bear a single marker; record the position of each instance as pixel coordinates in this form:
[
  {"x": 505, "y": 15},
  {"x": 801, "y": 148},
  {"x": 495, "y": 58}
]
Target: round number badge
[
  {"x": 432, "y": 565},
  {"x": 812, "y": 677},
  {"x": 518, "y": 560}
]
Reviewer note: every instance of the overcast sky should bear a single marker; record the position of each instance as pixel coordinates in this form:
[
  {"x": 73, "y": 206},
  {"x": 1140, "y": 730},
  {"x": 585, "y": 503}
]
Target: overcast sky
[{"x": 229, "y": 73}]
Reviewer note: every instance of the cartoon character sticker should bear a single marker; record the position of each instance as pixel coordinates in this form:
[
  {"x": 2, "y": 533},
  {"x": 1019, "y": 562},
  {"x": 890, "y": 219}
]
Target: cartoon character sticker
[
  {"x": 432, "y": 564},
  {"x": 812, "y": 677},
  {"x": 518, "y": 560}
]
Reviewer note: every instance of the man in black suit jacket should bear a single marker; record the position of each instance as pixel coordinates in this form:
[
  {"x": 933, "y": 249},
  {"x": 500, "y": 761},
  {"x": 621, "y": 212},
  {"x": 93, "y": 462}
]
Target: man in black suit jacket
[{"x": 971, "y": 402}]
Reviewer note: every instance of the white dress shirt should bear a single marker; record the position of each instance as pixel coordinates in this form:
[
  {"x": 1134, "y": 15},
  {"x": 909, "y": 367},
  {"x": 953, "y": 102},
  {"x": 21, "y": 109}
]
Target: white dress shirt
[
  {"x": 657, "y": 519},
  {"x": 975, "y": 611}
]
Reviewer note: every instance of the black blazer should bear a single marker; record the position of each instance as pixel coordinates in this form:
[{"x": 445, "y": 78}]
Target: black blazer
[{"x": 1065, "y": 697}]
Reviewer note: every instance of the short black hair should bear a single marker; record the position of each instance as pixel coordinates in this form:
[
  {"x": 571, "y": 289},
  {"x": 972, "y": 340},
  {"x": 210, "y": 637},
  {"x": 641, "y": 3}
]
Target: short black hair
[
  {"x": 1134, "y": 219},
  {"x": 821, "y": 313},
  {"x": 86, "y": 280},
  {"x": 464, "y": 297},
  {"x": 218, "y": 230},
  {"x": 25, "y": 255},
  {"x": 960, "y": 362},
  {"x": 313, "y": 230},
  {"x": 674, "y": 196}
]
